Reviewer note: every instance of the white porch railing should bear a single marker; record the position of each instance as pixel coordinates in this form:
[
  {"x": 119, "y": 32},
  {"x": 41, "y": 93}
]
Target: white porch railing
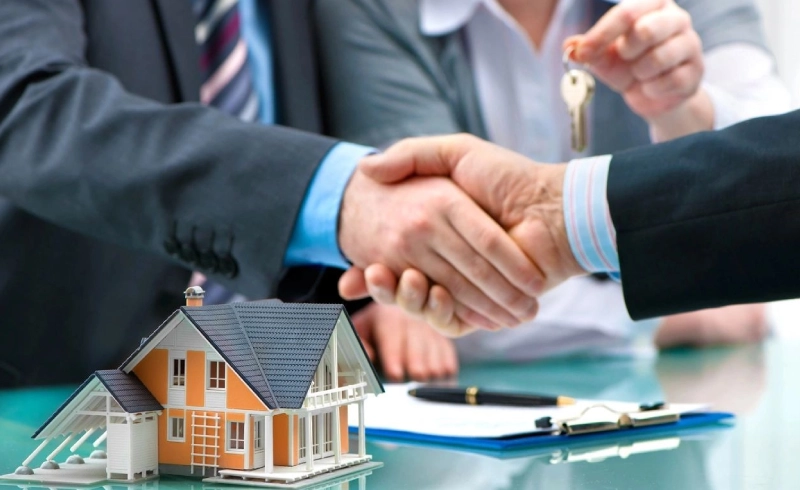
[{"x": 336, "y": 396}]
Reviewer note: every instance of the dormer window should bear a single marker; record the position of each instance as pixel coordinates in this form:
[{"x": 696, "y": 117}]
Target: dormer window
[
  {"x": 178, "y": 372},
  {"x": 216, "y": 375}
]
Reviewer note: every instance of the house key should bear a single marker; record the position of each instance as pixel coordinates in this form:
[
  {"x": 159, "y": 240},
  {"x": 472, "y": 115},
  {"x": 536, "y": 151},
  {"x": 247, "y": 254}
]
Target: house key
[{"x": 577, "y": 88}]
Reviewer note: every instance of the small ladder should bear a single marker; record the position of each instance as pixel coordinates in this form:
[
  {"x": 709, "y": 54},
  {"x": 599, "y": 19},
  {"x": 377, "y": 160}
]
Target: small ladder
[{"x": 205, "y": 441}]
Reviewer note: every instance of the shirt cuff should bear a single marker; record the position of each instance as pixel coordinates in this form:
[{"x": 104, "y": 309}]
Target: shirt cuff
[
  {"x": 590, "y": 231},
  {"x": 315, "y": 236}
]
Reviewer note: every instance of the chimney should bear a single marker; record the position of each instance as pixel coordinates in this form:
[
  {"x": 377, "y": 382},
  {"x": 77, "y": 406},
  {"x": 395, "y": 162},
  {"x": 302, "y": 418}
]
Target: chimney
[{"x": 194, "y": 296}]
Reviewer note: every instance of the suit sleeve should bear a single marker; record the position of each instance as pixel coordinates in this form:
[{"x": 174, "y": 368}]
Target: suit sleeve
[
  {"x": 710, "y": 219},
  {"x": 79, "y": 151}
]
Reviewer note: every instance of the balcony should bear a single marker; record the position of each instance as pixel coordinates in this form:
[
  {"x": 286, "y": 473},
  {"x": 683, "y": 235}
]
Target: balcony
[{"x": 338, "y": 396}]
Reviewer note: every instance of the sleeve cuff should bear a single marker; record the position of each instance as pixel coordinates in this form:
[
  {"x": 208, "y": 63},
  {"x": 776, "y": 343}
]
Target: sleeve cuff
[
  {"x": 590, "y": 231},
  {"x": 314, "y": 239}
]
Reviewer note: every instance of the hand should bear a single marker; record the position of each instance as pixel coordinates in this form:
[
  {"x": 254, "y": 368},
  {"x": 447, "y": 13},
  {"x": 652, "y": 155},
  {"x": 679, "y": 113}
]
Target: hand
[
  {"x": 431, "y": 225},
  {"x": 404, "y": 347},
  {"x": 524, "y": 197},
  {"x": 648, "y": 51},
  {"x": 739, "y": 324}
]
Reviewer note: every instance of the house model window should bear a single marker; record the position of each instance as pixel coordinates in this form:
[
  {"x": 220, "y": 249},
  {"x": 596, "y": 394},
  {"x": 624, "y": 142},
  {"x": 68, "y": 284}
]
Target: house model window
[
  {"x": 179, "y": 372},
  {"x": 176, "y": 429},
  {"x": 216, "y": 375},
  {"x": 235, "y": 435}
]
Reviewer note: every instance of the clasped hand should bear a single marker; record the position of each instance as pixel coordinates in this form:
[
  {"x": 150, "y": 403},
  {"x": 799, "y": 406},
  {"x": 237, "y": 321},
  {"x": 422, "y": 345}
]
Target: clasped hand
[{"x": 495, "y": 231}]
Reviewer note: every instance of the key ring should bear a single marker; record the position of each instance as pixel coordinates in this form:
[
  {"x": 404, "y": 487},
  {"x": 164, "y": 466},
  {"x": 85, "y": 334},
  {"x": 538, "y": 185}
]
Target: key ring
[{"x": 565, "y": 59}]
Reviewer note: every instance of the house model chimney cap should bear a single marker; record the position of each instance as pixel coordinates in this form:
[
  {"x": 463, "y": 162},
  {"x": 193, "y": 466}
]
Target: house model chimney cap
[{"x": 194, "y": 292}]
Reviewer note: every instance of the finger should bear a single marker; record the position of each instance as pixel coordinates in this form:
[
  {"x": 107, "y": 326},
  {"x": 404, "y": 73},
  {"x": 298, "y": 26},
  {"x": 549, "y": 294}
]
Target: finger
[
  {"x": 449, "y": 358},
  {"x": 616, "y": 22},
  {"x": 678, "y": 83},
  {"x": 471, "y": 280},
  {"x": 381, "y": 283},
  {"x": 412, "y": 292},
  {"x": 522, "y": 279},
  {"x": 651, "y": 30},
  {"x": 418, "y": 355},
  {"x": 363, "y": 322},
  {"x": 469, "y": 320},
  {"x": 666, "y": 56},
  {"x": 390, "y": 342},
  {"x": 352, "y": 284},
  {"x": 433, "y": 155},
  {"x": 440, "y": 313}
]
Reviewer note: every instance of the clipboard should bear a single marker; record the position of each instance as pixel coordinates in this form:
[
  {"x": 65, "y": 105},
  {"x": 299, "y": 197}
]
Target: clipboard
[{"x": 397, "y": 417}]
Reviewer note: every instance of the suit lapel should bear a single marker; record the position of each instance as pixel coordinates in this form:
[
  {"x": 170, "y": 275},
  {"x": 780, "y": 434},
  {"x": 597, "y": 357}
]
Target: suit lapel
[
  {"x": 177, "y": 26},
  {"x": 296, "y": 78}
]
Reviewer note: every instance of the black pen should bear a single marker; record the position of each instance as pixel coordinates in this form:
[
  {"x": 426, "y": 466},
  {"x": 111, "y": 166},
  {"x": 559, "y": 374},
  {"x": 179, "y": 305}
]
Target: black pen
[{"x": 472, "y": 395}]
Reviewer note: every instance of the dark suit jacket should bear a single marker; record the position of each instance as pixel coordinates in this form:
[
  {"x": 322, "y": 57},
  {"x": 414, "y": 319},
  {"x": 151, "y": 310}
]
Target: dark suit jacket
[
  {"x": 710, "y": 219},
  {"x": 115, "y": 182}
]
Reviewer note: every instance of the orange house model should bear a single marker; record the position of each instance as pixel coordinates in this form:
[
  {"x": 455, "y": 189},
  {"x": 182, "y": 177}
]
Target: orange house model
[{"x": 256, "y": 391}]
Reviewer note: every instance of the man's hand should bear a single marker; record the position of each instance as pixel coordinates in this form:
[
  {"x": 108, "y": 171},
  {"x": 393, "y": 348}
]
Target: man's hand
[
  {"x": 524, "y": 197},
  {"x": 648, "y": 51},
  {"x": 404, "y": 347},
  {"x": 432, "y": 225}
]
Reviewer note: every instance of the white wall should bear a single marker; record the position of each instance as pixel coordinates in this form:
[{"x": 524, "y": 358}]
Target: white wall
[{"x": 782, "y": 24}]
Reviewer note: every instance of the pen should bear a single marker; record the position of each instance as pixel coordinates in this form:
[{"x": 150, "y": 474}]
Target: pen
[{"x": 472, "y": 395}]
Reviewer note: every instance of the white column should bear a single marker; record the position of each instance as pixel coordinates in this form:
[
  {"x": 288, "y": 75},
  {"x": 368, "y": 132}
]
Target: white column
[
  {"x": 266, "y": 436},
  {"x": 337, "y": 436},
  {"x": 362, "y": 443},
  {"x": 101, "y": 438},
  {"x": 309, "y": 441},
  {"x": 60, "y": 447},
  {"x": 248, "y": 443},
  {"x": 335, "y": 355},
  {"x": 82, "y": 439},
  {"x": 35, "y": 452},
  {"x": 130, "y": 447}
]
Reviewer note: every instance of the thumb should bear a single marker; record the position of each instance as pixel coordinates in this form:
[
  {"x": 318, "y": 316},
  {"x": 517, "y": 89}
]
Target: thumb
[{"x": 435, "y": 155}]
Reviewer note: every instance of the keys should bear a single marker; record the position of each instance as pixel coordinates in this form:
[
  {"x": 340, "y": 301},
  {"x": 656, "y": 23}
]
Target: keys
[{"x": 577, "y": 88}]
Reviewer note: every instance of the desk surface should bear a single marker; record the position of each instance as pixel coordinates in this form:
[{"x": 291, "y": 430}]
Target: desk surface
[{"x": 759, "y": 383}]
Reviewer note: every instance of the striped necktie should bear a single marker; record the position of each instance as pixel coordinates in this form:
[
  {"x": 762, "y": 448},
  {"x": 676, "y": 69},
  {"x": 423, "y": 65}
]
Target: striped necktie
[
  {"x": 227, "y": 80},
  {"x": 227, "y": 85}
]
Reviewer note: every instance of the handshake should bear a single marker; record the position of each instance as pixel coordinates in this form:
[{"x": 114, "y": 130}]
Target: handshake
[{"x": 455, "y": 230}]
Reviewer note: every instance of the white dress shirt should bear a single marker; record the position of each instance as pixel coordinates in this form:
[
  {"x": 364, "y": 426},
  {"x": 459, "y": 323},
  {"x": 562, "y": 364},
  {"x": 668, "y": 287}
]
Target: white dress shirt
[{"x": 519, "y": 94}]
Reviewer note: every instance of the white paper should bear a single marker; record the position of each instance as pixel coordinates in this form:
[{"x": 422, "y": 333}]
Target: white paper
[{"x": 398, "y": 411}]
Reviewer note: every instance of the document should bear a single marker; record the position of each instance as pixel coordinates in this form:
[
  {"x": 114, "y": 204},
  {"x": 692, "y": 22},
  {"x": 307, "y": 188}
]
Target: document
[{"x": 398, "y": 411}]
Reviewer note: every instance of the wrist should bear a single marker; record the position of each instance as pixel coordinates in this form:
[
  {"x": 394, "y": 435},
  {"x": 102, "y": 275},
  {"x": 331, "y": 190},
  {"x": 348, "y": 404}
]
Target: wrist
[
  {"x": 693, "y": 115},
  {"x": 540, "y": 221}
]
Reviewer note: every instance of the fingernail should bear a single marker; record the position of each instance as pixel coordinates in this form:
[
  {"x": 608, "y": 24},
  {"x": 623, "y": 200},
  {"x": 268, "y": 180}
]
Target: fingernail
[{"x": 433, "y": 303}]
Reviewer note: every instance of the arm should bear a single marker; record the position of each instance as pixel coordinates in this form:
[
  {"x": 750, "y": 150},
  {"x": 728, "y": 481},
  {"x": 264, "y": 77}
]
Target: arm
[{"x": 78, "y": 150}]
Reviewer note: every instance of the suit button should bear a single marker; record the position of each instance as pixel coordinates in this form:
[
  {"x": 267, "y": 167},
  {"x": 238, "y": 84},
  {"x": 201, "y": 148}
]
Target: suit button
[
  {"x": 228, "y": 267},
  {"x": 209, "y": 261},
  {"x": 171, "y": 246}
]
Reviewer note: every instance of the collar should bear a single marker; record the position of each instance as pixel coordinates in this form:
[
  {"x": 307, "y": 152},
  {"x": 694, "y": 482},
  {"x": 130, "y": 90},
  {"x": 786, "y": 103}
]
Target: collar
[{"x": 439, "y": 17}]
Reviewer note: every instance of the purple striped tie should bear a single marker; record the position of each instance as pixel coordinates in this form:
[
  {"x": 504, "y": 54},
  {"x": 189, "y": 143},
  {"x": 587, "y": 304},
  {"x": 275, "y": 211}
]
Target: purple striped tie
[
  {"x": 227, "y": 80},
  {"x": 227, "y": 84}
]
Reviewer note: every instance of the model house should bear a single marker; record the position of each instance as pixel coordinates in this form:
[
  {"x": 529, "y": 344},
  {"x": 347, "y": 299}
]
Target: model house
[{"x": 256, "y": 391}]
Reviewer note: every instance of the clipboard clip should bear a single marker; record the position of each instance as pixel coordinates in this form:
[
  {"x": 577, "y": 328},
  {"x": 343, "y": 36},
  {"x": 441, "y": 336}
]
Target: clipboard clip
[{"x": 602, "y": 418}]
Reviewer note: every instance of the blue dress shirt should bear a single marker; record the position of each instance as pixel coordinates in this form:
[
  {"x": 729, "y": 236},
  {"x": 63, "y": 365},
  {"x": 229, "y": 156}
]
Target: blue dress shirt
[
  {"x": 590, "y": 231},
  {"x": 314, "y": 239}
]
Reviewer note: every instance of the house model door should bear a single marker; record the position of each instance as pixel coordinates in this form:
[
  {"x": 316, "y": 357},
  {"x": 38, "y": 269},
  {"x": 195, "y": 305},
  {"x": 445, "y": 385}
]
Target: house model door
[{"x": 258, "y": 441}]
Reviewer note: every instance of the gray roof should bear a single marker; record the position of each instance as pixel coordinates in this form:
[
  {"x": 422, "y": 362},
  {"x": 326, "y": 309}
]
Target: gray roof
[
  {"x": 275, "y": 347},
  {"x": 128, "y": 391}
]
